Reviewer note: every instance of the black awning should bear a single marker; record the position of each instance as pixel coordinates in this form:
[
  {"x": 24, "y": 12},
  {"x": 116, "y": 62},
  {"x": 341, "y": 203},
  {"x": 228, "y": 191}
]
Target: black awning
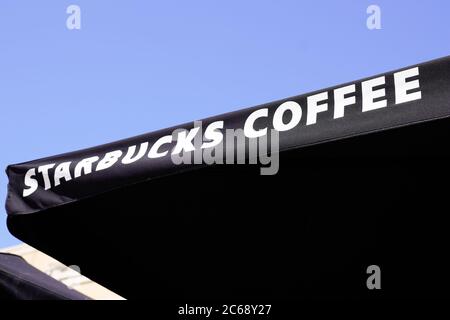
[
  {"x": 19, "y": 280},
  {"x": 361, "y": 167}
]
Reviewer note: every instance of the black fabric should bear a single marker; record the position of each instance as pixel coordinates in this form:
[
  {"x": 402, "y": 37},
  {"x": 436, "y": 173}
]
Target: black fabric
[
  {"x": 226, "y": 232},
  {"x": 434, "y": 81},
  {"x": 308, "y": 232},
  {"x": 21, "y": 281}
]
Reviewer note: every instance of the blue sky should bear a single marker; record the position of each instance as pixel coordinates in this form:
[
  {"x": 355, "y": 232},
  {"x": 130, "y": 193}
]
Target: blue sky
[{"x": 137, "y": 66}]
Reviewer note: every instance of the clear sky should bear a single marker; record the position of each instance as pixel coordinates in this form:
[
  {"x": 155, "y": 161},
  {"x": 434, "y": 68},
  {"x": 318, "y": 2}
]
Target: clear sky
[{"x": 137, "y": 66}]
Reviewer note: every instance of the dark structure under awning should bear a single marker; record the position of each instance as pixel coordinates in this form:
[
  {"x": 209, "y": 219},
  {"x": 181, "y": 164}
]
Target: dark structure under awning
[
  {"x": 360, "y": 182},
  {"x": 19, "y": 280}
]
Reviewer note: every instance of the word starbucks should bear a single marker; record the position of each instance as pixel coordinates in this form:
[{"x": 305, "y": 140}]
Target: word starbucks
[{"x": 181, "y": 142}]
